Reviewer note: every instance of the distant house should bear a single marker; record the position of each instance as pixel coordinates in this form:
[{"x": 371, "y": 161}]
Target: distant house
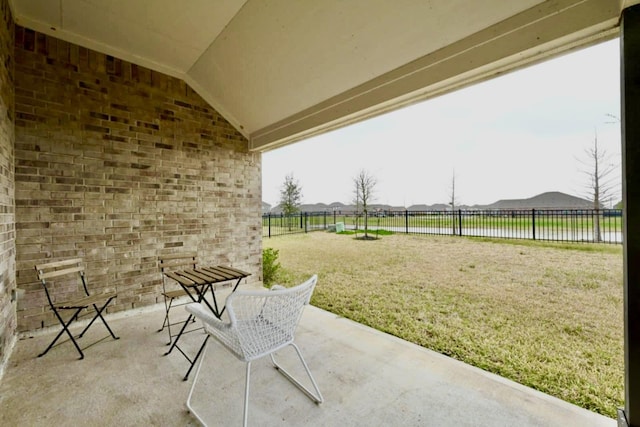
[
  {"x": 337, "y": 207},
  {"x": 316, "y": 207},
  {"x": 436, "y": 207},
  {"x": 266, "y": 208},
  {"x": 549, "y": 200}
]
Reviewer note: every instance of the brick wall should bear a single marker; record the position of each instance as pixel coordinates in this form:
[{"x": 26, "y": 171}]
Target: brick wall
[
  {"x": 117, "y": 164},
  {"x": 7, "y": 206}
]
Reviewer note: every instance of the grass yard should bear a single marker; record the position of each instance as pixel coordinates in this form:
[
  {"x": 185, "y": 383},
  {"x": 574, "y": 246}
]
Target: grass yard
[{"x": 546, "y": 315}]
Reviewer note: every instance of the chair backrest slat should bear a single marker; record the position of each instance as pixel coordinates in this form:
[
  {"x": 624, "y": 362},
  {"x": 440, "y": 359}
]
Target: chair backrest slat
[
  {"x": 57, "y": 273},
  {"x": 173, "y": 261},
  {"x": 58, "y": 264},
  {"x": 177, "y": 256}
]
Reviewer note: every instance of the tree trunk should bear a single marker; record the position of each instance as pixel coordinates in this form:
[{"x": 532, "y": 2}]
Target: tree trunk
[
  {"x": 365, "y": 225},
  {"x": 597, "y": 235}
]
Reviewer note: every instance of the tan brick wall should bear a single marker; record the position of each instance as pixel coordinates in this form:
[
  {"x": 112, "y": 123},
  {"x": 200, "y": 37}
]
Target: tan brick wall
[
  {"x": 117, "y": 164},
  {"x": 7, "y": 205}
]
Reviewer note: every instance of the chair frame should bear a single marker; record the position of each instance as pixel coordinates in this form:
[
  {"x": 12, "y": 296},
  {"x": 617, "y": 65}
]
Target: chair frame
[
  {"x": 167, "y": 263},
  {"x": 221, "y": 331},
  {"x": 70, "y": 267}
]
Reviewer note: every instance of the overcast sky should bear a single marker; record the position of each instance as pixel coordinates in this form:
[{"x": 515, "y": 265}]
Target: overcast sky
[{"x": 515, "y": 136}]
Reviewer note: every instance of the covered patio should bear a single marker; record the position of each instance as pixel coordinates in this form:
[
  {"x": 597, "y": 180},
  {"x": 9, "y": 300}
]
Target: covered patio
[
  {"x": 367, "y": 378},
  {"x": 132, "y": 130}
]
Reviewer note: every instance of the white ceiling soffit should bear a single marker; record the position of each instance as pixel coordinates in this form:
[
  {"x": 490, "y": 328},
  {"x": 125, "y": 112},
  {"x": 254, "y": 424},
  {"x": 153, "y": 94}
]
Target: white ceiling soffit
[
  {"x": 165, "y": 35},
  {"x": 283, "y": 70}
]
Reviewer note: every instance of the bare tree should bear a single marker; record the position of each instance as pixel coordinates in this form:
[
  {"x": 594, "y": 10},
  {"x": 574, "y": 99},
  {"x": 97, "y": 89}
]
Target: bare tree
[
  {"x": 356, "y": 201},
  {"x": 290, "y": 197},
  {"x": 453, "y": 201},
  {"x": 602, "y": 182},
  {"x": 365, "y": 184}
]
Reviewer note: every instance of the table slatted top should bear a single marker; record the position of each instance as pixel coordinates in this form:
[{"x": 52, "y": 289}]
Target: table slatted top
[{"x": 206, "y": 275}]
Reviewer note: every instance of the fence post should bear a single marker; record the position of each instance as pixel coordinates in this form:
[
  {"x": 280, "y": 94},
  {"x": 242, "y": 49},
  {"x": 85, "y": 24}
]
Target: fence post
[
  {"x": 269, "y": 224},
  {"x": 325, "y": 220},
  {"x": 406, "y": 221},
  {"x": 306, "y": 221},
  {"x": 460, "y": 222},
  {"x": 533, "y": 223}
]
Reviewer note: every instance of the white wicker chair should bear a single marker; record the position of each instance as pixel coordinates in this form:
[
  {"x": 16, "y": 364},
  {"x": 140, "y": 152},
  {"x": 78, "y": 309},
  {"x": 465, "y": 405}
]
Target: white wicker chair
[{"x": 260, "y": 323}]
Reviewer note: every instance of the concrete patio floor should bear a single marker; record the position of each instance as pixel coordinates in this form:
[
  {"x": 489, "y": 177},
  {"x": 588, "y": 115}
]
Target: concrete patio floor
[{"x": 368, "y": 378}]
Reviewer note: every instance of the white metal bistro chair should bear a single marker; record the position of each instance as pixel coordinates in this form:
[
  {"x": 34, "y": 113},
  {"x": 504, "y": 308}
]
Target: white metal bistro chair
[{"x": 260, "y": 323}]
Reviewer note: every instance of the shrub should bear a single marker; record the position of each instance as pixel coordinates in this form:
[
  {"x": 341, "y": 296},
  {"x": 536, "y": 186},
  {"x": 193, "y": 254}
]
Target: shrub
[{"x": 270, "y": 266}]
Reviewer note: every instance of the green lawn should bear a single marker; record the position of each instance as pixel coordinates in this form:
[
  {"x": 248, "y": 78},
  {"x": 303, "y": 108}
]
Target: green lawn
[{"x": 548, "y": 316}]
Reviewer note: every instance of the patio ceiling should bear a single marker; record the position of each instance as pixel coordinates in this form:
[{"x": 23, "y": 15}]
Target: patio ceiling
[{"x": 284, "y": 70}]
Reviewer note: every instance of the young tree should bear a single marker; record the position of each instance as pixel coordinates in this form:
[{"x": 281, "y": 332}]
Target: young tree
[
  {"x": 601, "y": 182},
  {"x": 290, "y": 197},
  {"x": 453, "y": 201},
  {"x": 365, "y": 184},
  {"x": 356, "y": 202}
]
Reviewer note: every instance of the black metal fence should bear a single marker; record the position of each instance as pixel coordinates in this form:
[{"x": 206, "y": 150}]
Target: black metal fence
[{"x": 560, "y": 225}]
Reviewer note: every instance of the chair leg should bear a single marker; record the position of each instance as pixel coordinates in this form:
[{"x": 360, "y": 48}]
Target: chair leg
[
  {"x": 246, "y": 396},
  {"x": 106, "y": 325},
  {"x": 245, "y": 415},
  {"x": 99, "y": 315},
  {"x": 65, "y": 328},
  {"x": 317, "y": 397},
  {"x": 166, "y": 313},
  {"x": 186, "y": 377},
  {"x": 184, "y": 326},
  {"x": 193, "y": 385},
  {"x": 168, "y": 318}
]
